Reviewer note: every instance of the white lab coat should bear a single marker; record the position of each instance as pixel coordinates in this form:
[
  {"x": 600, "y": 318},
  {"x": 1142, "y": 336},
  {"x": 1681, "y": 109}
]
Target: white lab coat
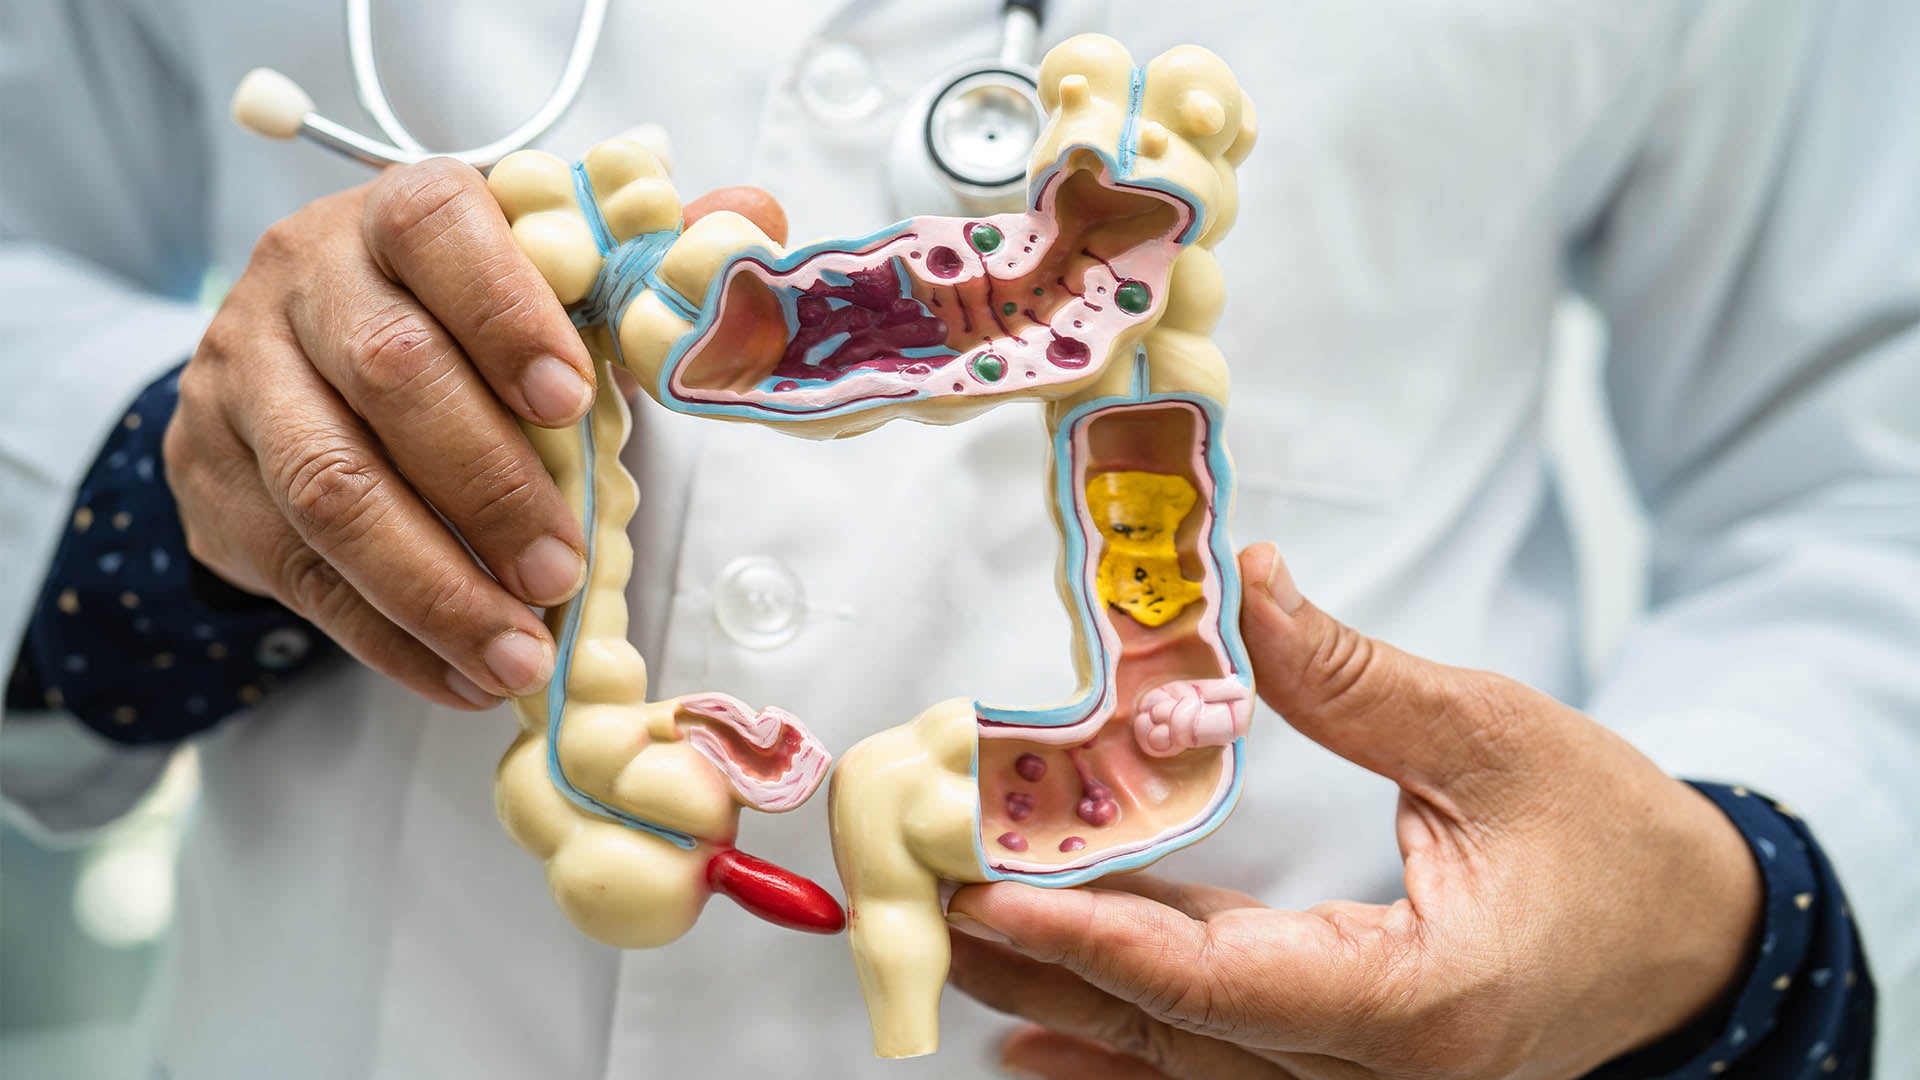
[{"x": 1735, "y": 184}]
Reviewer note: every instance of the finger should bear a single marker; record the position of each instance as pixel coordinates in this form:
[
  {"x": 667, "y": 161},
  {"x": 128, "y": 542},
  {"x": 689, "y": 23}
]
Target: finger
[
  {"x": 1048, "y": 994},
  {"x": 1143, "y": 952},
  {"x": 253, "y": 548},
  {"x": 435, "y": 229},
  {"x": 1355, "y": 917},
  {"x": 342, "y": 496},
  {"x": 1035, "y": 1051},
  {"x": 312, "y": 588},
  {"x": 1294, "y": 977},
  {"x": 754, "y": 204},
  {"x": 1196, "y": 901},
  {"x": 444, "y": 429},
  {"x": 1445, "y": 733}
]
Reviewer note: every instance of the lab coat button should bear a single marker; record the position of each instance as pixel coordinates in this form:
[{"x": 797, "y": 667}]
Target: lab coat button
[
  {"x": 758, "y": 602},
  {"x": 282, "y": 648},
  {"x": 837, "y": 84}
]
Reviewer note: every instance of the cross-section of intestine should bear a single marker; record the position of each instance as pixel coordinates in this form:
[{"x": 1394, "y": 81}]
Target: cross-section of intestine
[
  {"x": 938, "y": 308},
  {"x": 1145, "y": 758}
]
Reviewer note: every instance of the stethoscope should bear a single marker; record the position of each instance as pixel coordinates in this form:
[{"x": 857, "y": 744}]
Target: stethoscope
[
  {"x": 963, "y": 143},
  {"x": 962, "y": 146}
]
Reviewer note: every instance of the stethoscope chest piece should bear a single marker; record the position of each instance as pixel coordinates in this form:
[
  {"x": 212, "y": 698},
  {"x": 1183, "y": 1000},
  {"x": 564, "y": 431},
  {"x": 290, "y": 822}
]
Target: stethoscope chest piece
[
  {"x": 963, "y": 144},
  {"x": 980, "y": 128}
]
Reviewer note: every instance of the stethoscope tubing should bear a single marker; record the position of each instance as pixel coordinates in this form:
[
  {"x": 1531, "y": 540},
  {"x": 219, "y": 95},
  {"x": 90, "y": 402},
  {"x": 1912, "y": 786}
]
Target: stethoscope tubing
[
  {"x": 1020, "y": 27},
  {"x": 366, "y": 77},
  {"x": 404, "y": 148}
]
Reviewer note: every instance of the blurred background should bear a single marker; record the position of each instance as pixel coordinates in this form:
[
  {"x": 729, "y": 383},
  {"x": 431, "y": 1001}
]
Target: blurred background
[{"x": 83, "y": 929}]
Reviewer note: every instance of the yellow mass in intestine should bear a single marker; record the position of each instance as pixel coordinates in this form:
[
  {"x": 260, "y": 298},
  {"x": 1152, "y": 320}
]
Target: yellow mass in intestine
[{"x": 1139, "y": 515}]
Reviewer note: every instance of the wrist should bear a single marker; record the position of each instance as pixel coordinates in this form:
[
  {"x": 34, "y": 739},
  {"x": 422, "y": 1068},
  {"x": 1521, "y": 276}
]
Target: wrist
[
  {"x": 1805, "y": 993},
  {"x": 1712, "y": 898}
]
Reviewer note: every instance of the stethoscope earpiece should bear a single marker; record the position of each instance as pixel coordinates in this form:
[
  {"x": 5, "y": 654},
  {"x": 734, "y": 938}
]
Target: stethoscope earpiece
[
  {"x": 271, "y": 104},
  {"x": 268, "y": 103}
]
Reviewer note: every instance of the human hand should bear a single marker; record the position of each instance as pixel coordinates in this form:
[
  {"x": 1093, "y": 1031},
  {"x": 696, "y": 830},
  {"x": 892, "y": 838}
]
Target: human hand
[
  {"x": 348, "y": 420},
  {"x": 1567, "y": 902}
]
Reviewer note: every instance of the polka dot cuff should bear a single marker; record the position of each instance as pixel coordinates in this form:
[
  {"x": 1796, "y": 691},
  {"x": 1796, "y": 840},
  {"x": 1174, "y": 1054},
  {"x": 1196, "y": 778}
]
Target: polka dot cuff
[
  {"x": 129, "y": 634},
  {"x": 1806, "y": 1008}
]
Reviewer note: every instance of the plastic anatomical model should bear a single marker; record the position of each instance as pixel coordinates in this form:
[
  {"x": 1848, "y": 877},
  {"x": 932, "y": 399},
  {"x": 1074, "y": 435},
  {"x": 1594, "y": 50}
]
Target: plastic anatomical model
[{"x": 1099, "y": 301}]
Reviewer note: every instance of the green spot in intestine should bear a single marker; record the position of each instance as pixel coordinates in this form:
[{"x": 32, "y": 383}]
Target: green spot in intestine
[
  {"x": 989, "y": 368},
  {"x": 1133, "y": 297},
  {"x": 984, "y": 238},
  {"x": 1009, "y": 308}
]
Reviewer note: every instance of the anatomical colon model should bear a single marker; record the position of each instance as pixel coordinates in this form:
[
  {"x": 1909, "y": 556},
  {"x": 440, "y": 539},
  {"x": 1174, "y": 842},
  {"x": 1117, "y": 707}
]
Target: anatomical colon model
[{"x": 1098, "y": 301}]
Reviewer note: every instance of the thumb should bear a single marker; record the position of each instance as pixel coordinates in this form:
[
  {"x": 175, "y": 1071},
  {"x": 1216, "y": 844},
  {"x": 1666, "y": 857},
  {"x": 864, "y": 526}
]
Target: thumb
[
  {"x": 1439, "y": 732},
  {"x": 1253, "y": 976},
  {"x": 754, "y": 204}
]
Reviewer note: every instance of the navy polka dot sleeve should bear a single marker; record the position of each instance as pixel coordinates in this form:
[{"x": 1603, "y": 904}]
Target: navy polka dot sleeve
[
  {"x": 1806, "y": 1008},
  {"x": 128, "y": 633}
]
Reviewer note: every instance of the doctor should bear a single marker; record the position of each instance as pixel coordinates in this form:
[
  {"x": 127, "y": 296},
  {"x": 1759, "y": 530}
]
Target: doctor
[{"x": 1725, "y": 180}]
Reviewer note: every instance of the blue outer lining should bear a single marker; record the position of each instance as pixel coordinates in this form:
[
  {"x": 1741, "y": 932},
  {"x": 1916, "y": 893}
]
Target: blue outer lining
[
  {"x": 1130, "y": 131},
  {"x": 1221, "y": 504},
  {"x": 600, "y": 305},
  {"x": 583, "y": 194},
  {"x": 563, "y": 668},
  {"x": 628, "y": 270}
]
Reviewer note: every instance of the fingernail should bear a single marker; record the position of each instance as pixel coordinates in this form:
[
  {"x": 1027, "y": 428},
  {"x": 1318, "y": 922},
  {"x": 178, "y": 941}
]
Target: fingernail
[
  {"x": 974, "y": 928},
  {"x": 1280, "y": 585},
  {"x": 550, "y": 570},
  {"x": 554, "y": 390},
  {"x": 470, "y": 691},
  {"x": 519, "y": 661}
]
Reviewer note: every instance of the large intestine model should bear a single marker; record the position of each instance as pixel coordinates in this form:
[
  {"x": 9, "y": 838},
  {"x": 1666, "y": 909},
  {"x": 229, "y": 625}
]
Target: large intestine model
[{"x": 1099, "y": 301}]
